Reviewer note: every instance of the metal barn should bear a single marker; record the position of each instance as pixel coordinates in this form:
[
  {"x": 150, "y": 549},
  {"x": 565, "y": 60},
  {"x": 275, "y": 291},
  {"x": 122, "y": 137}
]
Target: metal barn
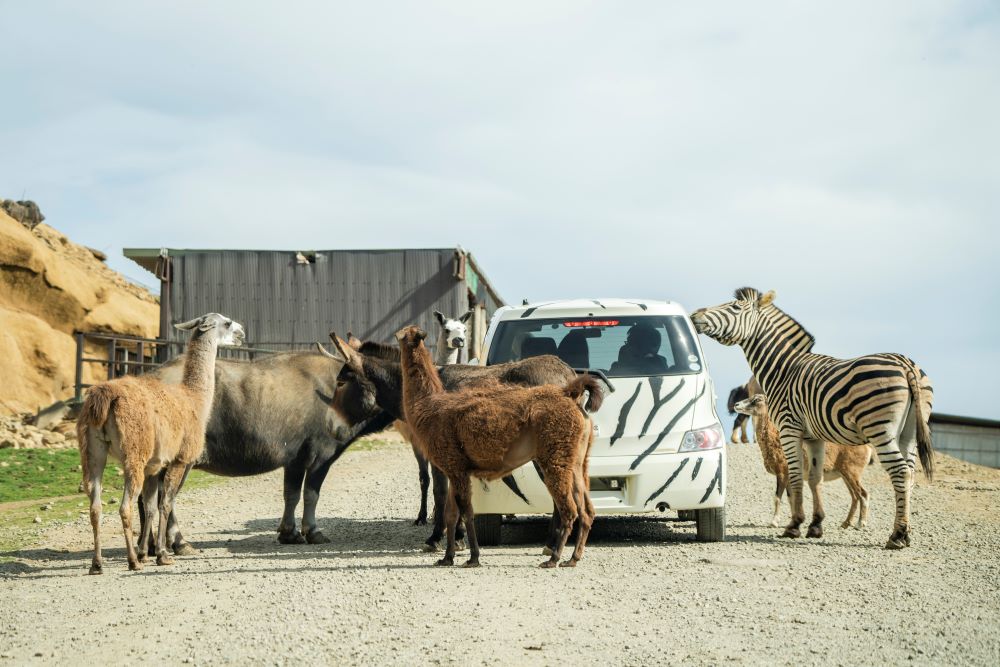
[
  {"x": 293, "y": 298},
  {"x": 967, "y": 438}
]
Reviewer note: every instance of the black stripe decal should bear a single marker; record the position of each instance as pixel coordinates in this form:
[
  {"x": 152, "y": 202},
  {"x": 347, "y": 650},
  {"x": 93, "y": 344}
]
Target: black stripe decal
[
  {"x": 716, "y": 481},
  {"x": 599, "y": 304},
  {"x": 697, "y": 467},
  {"x": 529, "y": 311},
  {"x": 538, "y": 469},
  {"x": 656, "y": 383},
  {"x": 623, "y": 415},
  {"x": 670, "y": 479},
  {"x": 512, "y": 485},
  {"x": 673, "y": 422}
]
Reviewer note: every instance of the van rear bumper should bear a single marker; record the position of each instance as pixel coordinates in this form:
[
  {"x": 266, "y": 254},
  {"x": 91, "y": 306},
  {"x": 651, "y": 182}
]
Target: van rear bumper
[{"x": 693, "y": 480}]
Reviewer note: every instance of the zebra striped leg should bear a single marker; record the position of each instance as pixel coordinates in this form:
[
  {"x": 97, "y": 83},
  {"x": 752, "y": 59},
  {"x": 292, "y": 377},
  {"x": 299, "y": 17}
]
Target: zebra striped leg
[
  {"x": 790, "y": 444},
  {"x": 815, "y": 450},
  {"x": 894, "y": 462}
]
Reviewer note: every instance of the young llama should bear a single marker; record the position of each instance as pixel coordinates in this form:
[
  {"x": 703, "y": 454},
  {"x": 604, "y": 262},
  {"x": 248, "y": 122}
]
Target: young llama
[
  {"x": 148, "y": 426},
  {"x": 488, "y": 431},
  {"x": 847, "y": 463}
]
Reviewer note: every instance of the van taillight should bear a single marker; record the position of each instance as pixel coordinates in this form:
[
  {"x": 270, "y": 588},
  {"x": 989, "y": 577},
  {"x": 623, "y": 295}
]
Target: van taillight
[{"x": 591, "y": 323}]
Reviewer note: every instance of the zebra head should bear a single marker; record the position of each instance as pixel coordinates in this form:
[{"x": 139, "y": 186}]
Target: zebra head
[{"x": 733, "y": 322}]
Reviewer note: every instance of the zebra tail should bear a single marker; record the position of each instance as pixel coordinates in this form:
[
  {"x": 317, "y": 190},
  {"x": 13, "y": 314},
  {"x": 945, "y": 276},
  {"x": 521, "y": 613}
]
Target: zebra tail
[{"x": 924, "y": 447}]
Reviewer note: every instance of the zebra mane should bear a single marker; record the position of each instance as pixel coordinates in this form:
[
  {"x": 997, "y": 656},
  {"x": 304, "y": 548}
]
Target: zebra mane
[
  {"x": 746, "y": 294},
  {"x": 810, "y": 340}
]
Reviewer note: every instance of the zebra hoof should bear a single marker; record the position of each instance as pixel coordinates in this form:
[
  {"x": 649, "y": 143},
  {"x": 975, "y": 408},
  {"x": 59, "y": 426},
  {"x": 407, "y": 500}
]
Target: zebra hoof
[{"x": 895, "y": 544}]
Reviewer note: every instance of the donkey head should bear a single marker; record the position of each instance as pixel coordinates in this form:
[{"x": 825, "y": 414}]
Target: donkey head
[
  {"x": 354, "y": 398},
  {"x": 733, "y": 322},
  {"x": 453, "y": 331}
]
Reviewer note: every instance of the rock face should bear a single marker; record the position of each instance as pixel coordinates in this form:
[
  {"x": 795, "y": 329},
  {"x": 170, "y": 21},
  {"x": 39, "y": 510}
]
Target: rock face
[
  {"x": 26, "y": 212},
  {"x": 49, "y": 288}
]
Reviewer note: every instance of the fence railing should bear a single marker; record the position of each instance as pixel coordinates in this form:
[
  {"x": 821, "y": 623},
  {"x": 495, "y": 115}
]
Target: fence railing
[{"x": 133, "y": 355}]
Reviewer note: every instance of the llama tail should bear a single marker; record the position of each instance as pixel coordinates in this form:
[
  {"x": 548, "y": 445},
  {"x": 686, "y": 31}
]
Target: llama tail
[
  {"x": 93, "y": 414},
  {"x": 574, "y": 389},
  {"x": 731, "y": 403},
  {"x": 924, "y": 446}
]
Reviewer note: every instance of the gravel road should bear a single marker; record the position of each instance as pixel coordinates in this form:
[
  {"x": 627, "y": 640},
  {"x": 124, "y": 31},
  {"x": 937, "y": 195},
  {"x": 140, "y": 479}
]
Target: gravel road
[{"x": 645, "y": 592}]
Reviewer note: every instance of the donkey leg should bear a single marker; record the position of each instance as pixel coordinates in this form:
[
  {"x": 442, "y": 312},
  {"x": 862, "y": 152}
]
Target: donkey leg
[
  {"x": 179, "y": 545},
  {"x": 440, "y": 501},
  {"x": 295, "y": 473},
  {"x": 171, "y": 485},
  {"x": 815, "y": 449},
  {"x": 743, "y": 429},
  {"x": 147, "y": 514},
  {"x": 314, "y": 482}
]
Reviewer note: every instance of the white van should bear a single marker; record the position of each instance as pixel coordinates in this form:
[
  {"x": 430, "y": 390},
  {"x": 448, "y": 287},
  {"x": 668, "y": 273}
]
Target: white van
[{"x": 659, "y": 444}]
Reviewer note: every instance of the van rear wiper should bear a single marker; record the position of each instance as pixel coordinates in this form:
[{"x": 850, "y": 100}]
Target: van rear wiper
[{"x": 599, "y": 373}]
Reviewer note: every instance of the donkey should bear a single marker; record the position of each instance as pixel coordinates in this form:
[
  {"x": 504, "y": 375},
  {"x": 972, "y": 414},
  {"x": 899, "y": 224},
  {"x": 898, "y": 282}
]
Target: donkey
[
  {"x": 370, "y": 384},
  {"x": 490, "y": 430},
  {"x": 741, "y": 393}
]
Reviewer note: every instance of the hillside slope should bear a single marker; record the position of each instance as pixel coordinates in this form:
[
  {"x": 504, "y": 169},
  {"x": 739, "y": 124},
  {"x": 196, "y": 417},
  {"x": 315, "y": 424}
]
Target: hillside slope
[{"x": 49, "y": 288}]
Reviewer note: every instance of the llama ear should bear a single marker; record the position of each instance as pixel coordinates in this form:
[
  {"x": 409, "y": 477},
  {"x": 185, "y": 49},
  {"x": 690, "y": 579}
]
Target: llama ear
[
  {"x": 420, "y": 334},
  {"x": 465, "y": 318},
  {"x": 766, "y": 300},
  {"x": 190, "y": 324},
  {"x": 439, "y": 316}
]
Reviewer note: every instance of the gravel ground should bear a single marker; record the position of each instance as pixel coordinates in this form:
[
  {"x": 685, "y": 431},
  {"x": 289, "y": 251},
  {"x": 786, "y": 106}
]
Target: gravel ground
[{"x": 644, "y": 593}]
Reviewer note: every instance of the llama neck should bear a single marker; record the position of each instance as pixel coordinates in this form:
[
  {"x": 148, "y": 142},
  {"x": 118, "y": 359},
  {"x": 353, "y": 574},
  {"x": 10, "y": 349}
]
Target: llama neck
[
  {"x": 443, "y": 355},
  {"x": 199, "y": 367},
  {"x": 387, "y": 376},
  {"x": 767, "y": 435},
  {"x": 420, "y": 377},
  {"x": 778, "y": 339}
]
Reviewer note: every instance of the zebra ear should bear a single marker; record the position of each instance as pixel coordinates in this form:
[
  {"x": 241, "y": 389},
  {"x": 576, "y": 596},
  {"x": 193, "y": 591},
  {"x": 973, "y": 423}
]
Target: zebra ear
[{"x": 766, "y": 300}]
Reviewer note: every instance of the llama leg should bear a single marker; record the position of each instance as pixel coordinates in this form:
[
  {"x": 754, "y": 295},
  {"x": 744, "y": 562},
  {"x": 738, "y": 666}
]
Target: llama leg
[
  {"x": 790, "y": 444},
  {"x": 852, "y": 487},
  {"x": 585, "y": 520},
  {"x": 147, "y": 514},
  {"x": 314, "y": 482},
  {"x": 171, "y": 485},
  {"x": 463, "y": 498},
  {"x": 863, "y": 513},
  {"x": 780, "y": 484},
  {"x": 295, "y": 473},
  {"x": 97, "y": 458},
  {"x": 450, "y": 519},
  {"x": 560, "y": 485},
  {"x": 440, "y": 501},
  {"x": 133, "y": 484},
  {"x": 423, "y": 470},
  {"x": 816, "y": 450}
]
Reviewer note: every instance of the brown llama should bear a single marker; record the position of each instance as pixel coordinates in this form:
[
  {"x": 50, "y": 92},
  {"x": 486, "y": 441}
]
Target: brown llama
[
  {"x": 839, "y": 461},
  {"x": 490, "y": 430},
  {"x": 149, "y": 425}
]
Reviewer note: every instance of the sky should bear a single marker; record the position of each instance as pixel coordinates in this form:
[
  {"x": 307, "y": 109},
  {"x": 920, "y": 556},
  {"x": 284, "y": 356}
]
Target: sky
[{"x": 846, "y": 155}]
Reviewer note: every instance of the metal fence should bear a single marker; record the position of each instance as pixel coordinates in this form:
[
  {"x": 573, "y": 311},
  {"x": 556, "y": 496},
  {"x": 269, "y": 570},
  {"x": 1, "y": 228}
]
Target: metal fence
[{"x": 132, "y": 355}]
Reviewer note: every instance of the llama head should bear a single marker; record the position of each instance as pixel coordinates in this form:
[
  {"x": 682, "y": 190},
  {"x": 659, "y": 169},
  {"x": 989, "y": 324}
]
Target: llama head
[
  {"x": 226, "y": 330},
  {"x": 755, "y": 406},
  {"x": 733, "y": 322},
  {"x": 410, "y": 337},
  {"x": 454, "y": 331}
]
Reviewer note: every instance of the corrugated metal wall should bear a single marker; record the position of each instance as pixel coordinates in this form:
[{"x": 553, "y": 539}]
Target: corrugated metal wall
[
  {"x": 972, "y": 443},
  {"x": 372, "y": 293}
]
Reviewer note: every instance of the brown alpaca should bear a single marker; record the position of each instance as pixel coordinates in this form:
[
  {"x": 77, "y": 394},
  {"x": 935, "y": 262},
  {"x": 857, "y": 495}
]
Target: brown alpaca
[
  {"x": 148, "y": 426},
  {"x": 490, "y": 430},
  {"x": 847, "y": 463}
]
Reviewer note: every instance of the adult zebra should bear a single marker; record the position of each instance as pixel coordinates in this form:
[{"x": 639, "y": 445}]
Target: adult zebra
[{"x": 881, "y": 399}]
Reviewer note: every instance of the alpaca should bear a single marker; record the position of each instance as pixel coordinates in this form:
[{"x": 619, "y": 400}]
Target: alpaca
[
  {"x": 488, "y": 431},
  {"x": 847, "y": 463},
  {"x": 150, "y": 426}
]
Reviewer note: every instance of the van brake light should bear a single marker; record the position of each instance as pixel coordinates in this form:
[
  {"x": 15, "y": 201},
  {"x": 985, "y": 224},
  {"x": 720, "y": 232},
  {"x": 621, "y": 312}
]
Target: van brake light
[{"x": 591, "y": 323}]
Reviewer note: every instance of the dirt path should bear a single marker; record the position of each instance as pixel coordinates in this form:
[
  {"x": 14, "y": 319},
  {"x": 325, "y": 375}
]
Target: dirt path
[{"x": 645, "y": 593}]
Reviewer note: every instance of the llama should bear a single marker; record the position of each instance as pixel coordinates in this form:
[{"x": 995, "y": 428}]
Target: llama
[
  {"x": 847, "y": 463},
  {"x": 150, "y": 426},
  {"x": 489, "y": 431}
]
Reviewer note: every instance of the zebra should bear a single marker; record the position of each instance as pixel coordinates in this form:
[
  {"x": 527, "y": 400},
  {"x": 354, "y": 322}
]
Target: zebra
[{"x": 883, "y": 400}]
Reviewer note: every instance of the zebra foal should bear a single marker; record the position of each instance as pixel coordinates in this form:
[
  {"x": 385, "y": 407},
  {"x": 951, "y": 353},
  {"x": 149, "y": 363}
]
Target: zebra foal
[{"x": 883, "y": 400}]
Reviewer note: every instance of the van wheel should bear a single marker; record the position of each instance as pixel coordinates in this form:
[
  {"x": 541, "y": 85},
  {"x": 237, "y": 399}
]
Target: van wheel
[
  {"x": 711, "y": 524},
  {"x": 687, "y": 515},
  {"x": 488, "y": 529}
]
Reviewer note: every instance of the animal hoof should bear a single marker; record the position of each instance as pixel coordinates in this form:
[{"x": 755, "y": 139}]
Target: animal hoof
[
  {"x": 792, "y": 532},
  {"x": 895, "y": 544},
  {"x": 745, "y": 441},
  {"x": 548, "y": 564},
  {"x": 568, "y": 563},
  {"x": 96, "y": 569},
  {"x": 142, "y": 558},
  {"x": 546, "y": 551},
  {"x": 184, "y": 549},
  {"x": 431, "y": 547},
  {"x": 317, "y": 537},
  {"x": 135, "y": 565},
  {"x": 460, "y": 545},
  {"x": 815, "y": 530},
  {"x": 845, "y": 525},
  {"x": 775, "y": 524},
  {"x": 445, "y": 562},
  {"x": 164, "y": 559},
  {"x": 421, "y": 521},
  {"x": 292, "y": 538},
  {"x": 471, "y": 563}
]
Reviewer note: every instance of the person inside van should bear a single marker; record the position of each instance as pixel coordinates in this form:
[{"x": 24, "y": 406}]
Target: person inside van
[{"x": 640, "y": 353}]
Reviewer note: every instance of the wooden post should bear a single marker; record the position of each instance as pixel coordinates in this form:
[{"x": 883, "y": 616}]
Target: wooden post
[{"x": 78, "y": 394}]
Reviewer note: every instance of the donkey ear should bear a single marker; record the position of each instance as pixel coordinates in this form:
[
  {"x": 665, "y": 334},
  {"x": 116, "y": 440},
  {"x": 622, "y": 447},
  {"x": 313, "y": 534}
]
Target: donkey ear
[
  {"x": 190, "y": 324},
  {"x": 439, "y": 316},
  {"x": 354, "y": 341},
  {"x": 351, "y": 357},
  {"x": 325, "y": 353},
  {"x": 465, "y": 318},
  {"x": 766, "y": 300}
]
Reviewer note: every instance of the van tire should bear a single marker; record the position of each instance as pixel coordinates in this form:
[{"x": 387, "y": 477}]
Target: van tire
[
  {"x": 488, "y": 528},
  {"x": 687, "y": 515},
  {"x": 711, "y": 524}
]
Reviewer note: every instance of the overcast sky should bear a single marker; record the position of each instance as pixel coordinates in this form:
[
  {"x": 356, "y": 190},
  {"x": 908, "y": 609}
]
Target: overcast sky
[{"x": 847, "y": 157}]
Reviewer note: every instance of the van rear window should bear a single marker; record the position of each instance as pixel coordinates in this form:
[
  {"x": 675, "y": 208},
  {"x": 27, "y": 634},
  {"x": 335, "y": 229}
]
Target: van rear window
[{"x": 619, "y": 346}]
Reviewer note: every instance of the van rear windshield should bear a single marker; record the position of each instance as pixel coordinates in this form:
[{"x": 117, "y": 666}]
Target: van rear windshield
[{"x": 619, "y": 346}]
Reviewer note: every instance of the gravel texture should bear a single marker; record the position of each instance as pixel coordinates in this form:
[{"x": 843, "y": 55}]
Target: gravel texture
[{"x": 645, "y": 592}]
